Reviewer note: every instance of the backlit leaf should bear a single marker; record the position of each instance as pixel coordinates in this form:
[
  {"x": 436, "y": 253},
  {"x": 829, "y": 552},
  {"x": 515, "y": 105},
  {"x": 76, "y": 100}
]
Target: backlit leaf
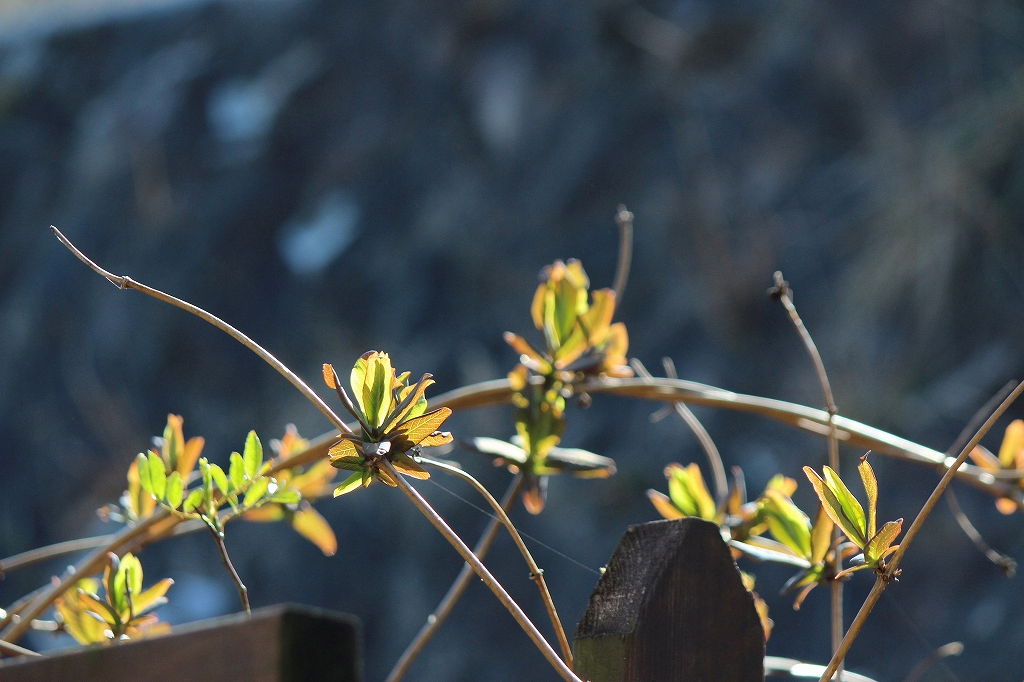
[
  {"x": 312, "y": 526},
  {"x": 787, "y": 523},
  {"x": 821, "y": 536},
  {"x": 834, "y": 509},
  {"x": 409, "y": 397},
  {"x": 985, "y": 459},
  {"x": 350, "y": 483},
  {"x": 329, "y": 376},
  {"x": 142, "y": 465},
  {"x": 1013, "y": 444},
  {"x": 194, "y": 499},
  {"x": 174, "y": 490},
  {"x": 236, "y": 471},
  {"x": 777, "y": 552},
  {"x": 437, "y": 438},
  {"x": 256, "y": 491},
  {"x": 190, "y": 455},
  {"x": 877, "y": 546},
  {"x": 537, "y": 307},
  {"x": 412, "y": 431},
  {"x": 664, "y": 505},
  {"x": 404, "y": 464},
  {"x": 599, "y": 316},
  {"x": 850, "y": 505},
  {"x": 688, "y": 491},
  {"x": 286, "y": 496},
  {"x": 867, "y": 475},
  {"x": 219, "y": 478},
  {"x": 157, "y": 475},
  {"x": 151, "y": 598},
  {"x": 252, "y": 456}
]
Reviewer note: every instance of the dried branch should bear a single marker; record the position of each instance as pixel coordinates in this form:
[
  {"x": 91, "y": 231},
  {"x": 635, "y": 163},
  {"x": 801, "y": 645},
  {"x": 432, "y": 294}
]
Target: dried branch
[
  {"x": 892, "y": 569},
  {"x": 440, "y": 614},
  {"x": 481, "y": 570}
]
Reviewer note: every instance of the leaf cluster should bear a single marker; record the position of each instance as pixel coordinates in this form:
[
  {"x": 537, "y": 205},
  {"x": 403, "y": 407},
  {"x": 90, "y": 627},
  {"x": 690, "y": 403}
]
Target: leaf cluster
[
  {"x": 125, "y": 611},
  {"x": 393, "y": 422}
]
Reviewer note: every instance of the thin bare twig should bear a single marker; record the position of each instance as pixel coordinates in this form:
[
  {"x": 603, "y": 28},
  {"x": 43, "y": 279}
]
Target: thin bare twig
[
  {"x": 122, "y": 282},
  {"x": 9, "y": 649},
  {"x": 1006, "y": 564},
  {"x": 435, "y": 519},
  {"x": 536, "y": 573},
  {"x": 625, "y": 221},
  {"x": 440, "y": 614},
  {"x": 783, "y": 293},
  {"x": 944, "y": 651},
  {"x": 690, "y": 419},
  {"x": 243, "y": 593},
  {"x": 892, "y": 569}
]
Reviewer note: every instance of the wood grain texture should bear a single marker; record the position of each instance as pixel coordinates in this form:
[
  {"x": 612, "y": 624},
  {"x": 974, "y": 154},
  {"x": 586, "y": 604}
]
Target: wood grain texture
[
  {"x": 670, "y": 607},
  {"x": 278, "y": 644}
]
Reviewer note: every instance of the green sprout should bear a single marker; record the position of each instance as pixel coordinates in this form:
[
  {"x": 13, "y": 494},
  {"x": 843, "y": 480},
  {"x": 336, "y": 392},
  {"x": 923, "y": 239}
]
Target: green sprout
[
  {"x": 393, "y": 419},
  {"x": 846, "y": 512},
  {"x": 124, "y": 612}
]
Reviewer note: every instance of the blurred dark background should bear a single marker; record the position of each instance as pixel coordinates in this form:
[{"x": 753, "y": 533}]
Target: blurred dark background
[{"x": 332, "y": 177}]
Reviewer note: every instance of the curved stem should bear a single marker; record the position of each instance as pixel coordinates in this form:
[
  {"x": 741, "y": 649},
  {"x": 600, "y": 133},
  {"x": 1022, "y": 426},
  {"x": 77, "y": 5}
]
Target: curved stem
[
  {"x": 782, "y": 291},
  {"x": 624, "y": 219},
  {"x": 1003, "y": 562},
  {"x": 808, "y": 419},
  {"x": 243, "y": 593},
  {"x": 892, "y": 569},
  {"x": 122, "y": 282},
  {"x": 444, "y": 608},
  {"x": 536, "y": 573},
  {"x": 481, "y": 570},
  {"x": 690, "y": 419}
]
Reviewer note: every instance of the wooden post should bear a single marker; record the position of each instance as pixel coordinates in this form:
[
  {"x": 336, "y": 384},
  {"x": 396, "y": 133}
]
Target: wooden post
[
  {"x": 670, "y": 607},
  {"x": 284, "y": 643}
]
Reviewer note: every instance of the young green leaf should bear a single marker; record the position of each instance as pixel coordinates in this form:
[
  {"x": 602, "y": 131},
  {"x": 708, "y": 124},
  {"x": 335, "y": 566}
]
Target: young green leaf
[
  {"x": 851, "y": 507},
  {"x": 256, "y": 491},
  {"x": 286, "y": 496},
  {"x": 142, "y": 463},
  {"x": 834, "y": 509},
  {"x": 879, "y": 546},
  {"x": 157, "y": 475},
  {"x": 175, "y": 489},
  {"x": 236, "y": 471},
  {"x": 867, "y": 475},
  {"x": 194, "y": 499},
  {"x": 253, "y": 455},
  {"x": 787, "y": 523},
  {"x": 219, "y": 478},
  {"x": 350, "y": 483}
]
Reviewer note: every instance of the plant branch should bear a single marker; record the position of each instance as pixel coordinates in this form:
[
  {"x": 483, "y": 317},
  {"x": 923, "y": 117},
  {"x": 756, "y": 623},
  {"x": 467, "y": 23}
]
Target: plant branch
[
  {"x": 536, "y": 573},
  {"x": 783, "y": 293},
  {"x": 690, "y": 419},
  {"x": 1006, "y": 564},
  {"x": 944, "y": 651},
  {"x": 808, "y": 419},
  {"x": 243, "y": 593},
  {"x": 9, "y": 649},
  {"x": 481, "y": 570},
  {"x": 625, "y": 221},
  {"x": 892, "y": 569},
  {"x": 122, "y": 282},
  {"x": 454, "y": 593}
]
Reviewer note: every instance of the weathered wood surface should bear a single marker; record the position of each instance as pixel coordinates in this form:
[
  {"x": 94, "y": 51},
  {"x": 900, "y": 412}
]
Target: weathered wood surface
[
  {"x": 278, "y": 644},
  {"x": 670, "y": 607}
]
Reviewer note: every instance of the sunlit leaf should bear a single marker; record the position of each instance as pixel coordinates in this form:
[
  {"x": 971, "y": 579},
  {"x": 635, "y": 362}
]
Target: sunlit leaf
[
  {"x": 834, "y": 509},
  {"x": 409, "y": 398},
  {"x": 821, "y": 536},
  {"x": 851, "y": 507},
  {"x": 372, "y": 379},
  {"x": 537, "y": 307},
  {"x": 157, "y": 475},
  {"x": 664, "y": 505},
  {"x": 252, "y": 456},
  {"x": 312, "y": 526},
  {"x": 412, "y": 431},
  {"x": 985, "y": 459},
  {"x": 572, "y": 348},
  {"x": 142, "y": 465},
  {"x": 407, "y": 466},
  {"x": 286, "y": 496},
  {"x": 535, "y": 496},
  {"x": 350, "y": 483},
  {"x": 688, "y": 491},
  {"x": 190, "y": 455},
  {"x": 437, "y": 438},
  {"x": 236, "y": 471},
  {"x": 1013, "y": 443},
  {"x": 256, "y": 491},
  {"x": 173, "y": 442},
  {"x": 329, "y": 374},
  {"x": 345, "y": 451},
  {"x": 151, "y": 598},
  {"x": 777, "y": 552},
  {"x": 174, "y": 490},
  {"x": 523, "y": 347},
  {"x": 192, "y": 502},
  {"x": 787, "y": 523},
  {"x": 867, "y": 475},
  {"x": 219, "y": 478},
  {"x": 877, "y": 546},
  {"x": 499, "y": 448},
  {"x": 581, "y": 463},
  {"x": 599, "y": 316},
  {"x": 785, "y": 485}
]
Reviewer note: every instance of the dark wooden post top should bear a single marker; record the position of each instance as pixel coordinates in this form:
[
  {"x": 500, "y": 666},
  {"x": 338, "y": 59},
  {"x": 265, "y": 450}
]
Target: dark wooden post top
[
  {"x": 284, "y": 643},
  {"x": 670, "y": 607}
]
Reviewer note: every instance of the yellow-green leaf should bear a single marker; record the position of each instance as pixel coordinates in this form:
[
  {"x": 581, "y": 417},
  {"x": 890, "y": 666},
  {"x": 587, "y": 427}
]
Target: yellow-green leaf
[
  {"x": 664, "y": 505},
  {"x": 1013, "y": 444},
  {"x": 372, "y": 380},
  {"x": 787, "y": 523},
  {"x": 851, "y": 507},
  {"x": 151, "y": 598},
  {"x": 350, "y": 483},
  {"x": 314, "y": 527},
  {"x": 412, "y": 431},
  {"x": 688, "y": 491},
  {"x": 174, "y": 491},
  {"x": 879, "y": 544},
  {"x": 834, "y": 509},
  {"x": 409, "y": 398},
  {"x": 157, "y": 475},
  {"x": 599, "y": 316},
  {"x": 252, "y": 456},
  {"x": 821, "y": 536},
  {"x": 867, "y": 475},
  {"x": 256, "y": 491},
  {"x": 344, "y": 451},
  {"x": 407, "y": 466}
]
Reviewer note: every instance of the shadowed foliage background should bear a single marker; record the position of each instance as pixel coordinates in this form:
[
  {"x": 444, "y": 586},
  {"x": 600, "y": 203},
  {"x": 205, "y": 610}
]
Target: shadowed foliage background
[{"x": 337, "y": 176}]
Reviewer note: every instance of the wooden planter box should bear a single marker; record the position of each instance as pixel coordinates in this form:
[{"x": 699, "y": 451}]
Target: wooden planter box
[{"x": 284, "y": 643}]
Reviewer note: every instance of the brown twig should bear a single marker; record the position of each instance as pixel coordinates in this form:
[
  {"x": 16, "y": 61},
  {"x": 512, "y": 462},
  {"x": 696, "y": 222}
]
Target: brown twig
[
  {"x": 944, "y": 651},
  {"x": 435, "y": 519},
  {"x": 9, "y": 649},
  {"x": 783, "y": 293},
  {"x": 690, "y": 419},
  {"x": 536, "y": 573},
  {"x": 444, "y": 608},
  {"x": 892, "y": 569},
  {"x": 243, "y": 593},
  {"x": 122, "y": 282},
  {"x": 624, "y": 219}
]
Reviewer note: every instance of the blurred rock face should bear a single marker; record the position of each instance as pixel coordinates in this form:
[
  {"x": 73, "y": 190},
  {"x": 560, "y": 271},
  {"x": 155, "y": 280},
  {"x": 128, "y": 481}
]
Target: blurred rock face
[{"x": 334, "y": 177}]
